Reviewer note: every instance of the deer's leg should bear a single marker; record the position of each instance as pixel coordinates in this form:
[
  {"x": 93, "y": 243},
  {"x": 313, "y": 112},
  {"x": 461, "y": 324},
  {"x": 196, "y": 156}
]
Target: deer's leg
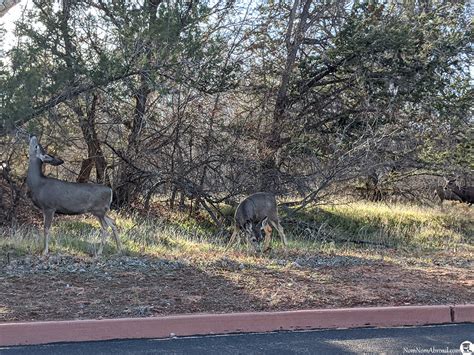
[
  {"x": 235, "y": 236},
  {"x": 111, "y": 223},
  {"x": 48, "y": 219},
  {"x": 103, "y": 234},
  {"x": 267, "y": 240},
  {"x": 280, "y": 231},
  {"x": 268, "y": 237}
]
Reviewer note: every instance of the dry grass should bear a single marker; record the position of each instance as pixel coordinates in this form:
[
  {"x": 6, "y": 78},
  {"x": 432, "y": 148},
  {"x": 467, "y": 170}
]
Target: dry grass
[{"x": 369, "y": 230}]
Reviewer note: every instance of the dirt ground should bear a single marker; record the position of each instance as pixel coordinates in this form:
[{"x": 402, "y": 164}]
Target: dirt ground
[{"x": 66, "y": 287}]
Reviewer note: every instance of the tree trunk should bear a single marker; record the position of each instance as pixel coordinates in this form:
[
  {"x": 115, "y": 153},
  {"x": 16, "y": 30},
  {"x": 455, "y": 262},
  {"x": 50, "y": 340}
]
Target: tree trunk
[
  {"x": 270, "y": 174},
  {"x": 94, "y": 150},
  {"x": 86, "y": 169},
  {"x": 86, "y": 121},
  {"x": 126, "y": 183}
]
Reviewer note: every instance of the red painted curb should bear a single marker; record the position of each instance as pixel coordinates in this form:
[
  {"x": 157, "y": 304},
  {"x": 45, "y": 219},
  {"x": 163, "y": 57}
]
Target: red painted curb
[
  {"x": 203, "y": 324},
  {"x": 463, "y": 313}
]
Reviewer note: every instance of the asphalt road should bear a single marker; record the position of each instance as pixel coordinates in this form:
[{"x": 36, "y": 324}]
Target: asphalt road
[{"x": 409, "y": 340}]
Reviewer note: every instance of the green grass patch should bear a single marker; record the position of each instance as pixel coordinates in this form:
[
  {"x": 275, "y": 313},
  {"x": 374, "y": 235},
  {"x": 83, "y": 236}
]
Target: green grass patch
[
  {"x": 359, "y": 229},
  {"x": 394, "y": 226}
]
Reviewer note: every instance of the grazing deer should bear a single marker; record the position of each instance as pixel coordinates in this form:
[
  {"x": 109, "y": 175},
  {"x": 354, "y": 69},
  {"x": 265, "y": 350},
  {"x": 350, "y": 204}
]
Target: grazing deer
[
  {"x": 446, "y": 194},
  {"x": 256, "y": 215},
  {"x": 464, "y": 193},
  {"x": 57, "y": 196}
]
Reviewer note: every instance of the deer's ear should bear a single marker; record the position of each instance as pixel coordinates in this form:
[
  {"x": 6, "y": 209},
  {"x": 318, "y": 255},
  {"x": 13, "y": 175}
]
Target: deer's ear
[
  {"x": 265, "y": 222},
  {"x": 46, "y": 158}
]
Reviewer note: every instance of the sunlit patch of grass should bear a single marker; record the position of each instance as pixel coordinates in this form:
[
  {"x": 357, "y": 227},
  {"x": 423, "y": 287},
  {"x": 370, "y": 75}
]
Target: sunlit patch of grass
[
  {"x": 395, "y": 225},
  {"x": 20, "y": 241},
  {"x": 4, "y": 311}
]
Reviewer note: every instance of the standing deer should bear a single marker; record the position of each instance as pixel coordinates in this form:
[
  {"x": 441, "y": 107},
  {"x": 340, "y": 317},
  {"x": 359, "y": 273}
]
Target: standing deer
[
  {"x": 57, "y": 196},
  {"x": 464, "y": 193},
  {"x": 256, "y": 215}
]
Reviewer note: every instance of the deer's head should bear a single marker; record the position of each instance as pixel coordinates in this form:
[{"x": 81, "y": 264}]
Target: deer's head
[
  {"x": 37, "y": 151},
  {"x": 258, "y": 231},
  {"x": 450, "y": 184}
]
